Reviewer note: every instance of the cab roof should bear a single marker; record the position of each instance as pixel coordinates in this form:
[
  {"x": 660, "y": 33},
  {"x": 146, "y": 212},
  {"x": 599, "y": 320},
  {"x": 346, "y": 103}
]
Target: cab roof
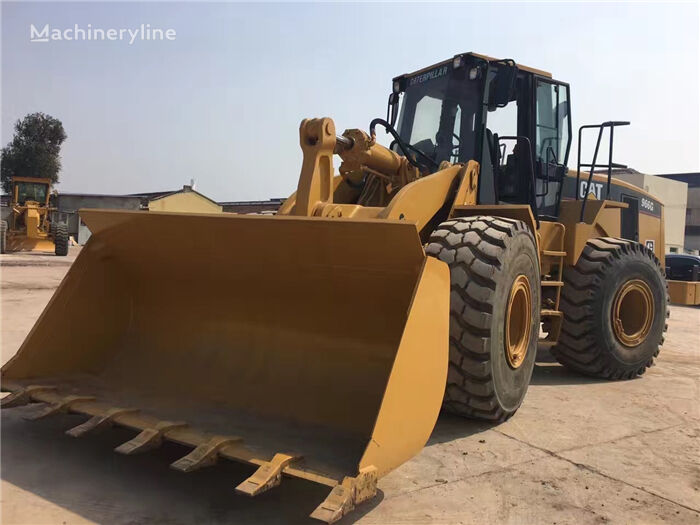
[
  {"x": 477, "y": 55},
  {"x": 35, "y": 180}
]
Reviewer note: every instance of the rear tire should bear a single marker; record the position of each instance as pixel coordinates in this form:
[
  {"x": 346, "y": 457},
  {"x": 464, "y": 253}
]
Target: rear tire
[
  {"x": 615, "y": 303},
  {"x": 61, "y": 240},
  {"x": 3, "y": 236},
  {"x": 493, "y": 269}
]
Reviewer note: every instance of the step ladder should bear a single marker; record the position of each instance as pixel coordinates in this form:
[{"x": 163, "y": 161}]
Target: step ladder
[{"x": 551, "y": 257}]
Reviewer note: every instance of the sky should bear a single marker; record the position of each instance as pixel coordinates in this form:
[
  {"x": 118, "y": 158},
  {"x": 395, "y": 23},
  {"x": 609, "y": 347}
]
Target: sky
[{"x": 221, "y": 103}]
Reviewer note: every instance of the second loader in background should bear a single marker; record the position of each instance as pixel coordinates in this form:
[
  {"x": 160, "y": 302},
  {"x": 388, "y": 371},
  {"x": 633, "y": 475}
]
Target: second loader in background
[
  {"x": 29, "y": 226},
  {"x": 321, "y": 343}
]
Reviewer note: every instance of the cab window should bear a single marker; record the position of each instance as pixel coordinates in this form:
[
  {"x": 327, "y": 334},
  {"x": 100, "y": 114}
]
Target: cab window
[
  {"x": 552, "y": 129},
  {"x": 29, "y": 191}
]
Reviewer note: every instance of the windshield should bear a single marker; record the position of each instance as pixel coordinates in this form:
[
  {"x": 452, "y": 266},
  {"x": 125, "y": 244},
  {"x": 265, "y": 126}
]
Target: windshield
[
  {"x": 438, "y": 114},
  {"x": 31, "y": 191}
]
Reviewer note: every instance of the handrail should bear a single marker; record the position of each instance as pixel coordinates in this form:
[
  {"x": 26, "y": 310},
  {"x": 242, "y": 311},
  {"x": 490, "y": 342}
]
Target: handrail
[
  {"x": 546, "y": 171},
  {"x": 610, "y": 165}
]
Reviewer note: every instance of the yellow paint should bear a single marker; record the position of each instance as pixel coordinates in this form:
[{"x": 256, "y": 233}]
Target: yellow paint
[
  {"x": 317, "y": 139},
  {"x": 421, "y": 199},
  {"x": 417, "y": 378},
  {"x": 23, "y": 243},
  {"x": 29, "y": 225},
  {"x": 684, "y": 292},
  {"x": 468, "y": 186},
  {"x": 328, "y": 323}
]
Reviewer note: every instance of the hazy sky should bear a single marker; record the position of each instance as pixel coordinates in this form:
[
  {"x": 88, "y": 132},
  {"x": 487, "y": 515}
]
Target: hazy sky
[{"x": 222, "y": 102}]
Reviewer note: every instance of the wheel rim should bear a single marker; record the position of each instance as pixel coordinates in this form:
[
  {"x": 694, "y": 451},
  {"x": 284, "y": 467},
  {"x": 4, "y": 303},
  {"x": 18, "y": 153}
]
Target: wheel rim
[
  {"x": 633, "y": 312},
  {"x": 518, "y": 321}
]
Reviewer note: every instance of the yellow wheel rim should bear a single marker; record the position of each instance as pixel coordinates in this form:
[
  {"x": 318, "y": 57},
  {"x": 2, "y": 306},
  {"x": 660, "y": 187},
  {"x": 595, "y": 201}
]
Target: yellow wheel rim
[
  {"x": 633, "y": 312},
  {"x": 518, "y": 321}
]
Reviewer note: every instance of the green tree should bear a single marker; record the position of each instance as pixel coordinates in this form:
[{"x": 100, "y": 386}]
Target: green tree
[{"x": 34, "y": 151}]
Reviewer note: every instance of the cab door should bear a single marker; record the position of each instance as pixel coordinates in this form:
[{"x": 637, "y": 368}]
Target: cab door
[
  {"x": 629, "y": 228},
  {"x": 552, "y": 143}
]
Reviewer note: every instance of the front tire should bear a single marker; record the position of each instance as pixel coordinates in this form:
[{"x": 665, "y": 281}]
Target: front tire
[
  {"x": 61, "y": 240},
  {"x": 494, "y": 313},
  {"x": 615, "y": 304},
  {"x": 3, "y": 236}
]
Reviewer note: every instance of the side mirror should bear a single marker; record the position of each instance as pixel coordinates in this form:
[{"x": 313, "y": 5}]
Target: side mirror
[
  {"x": 392, "y": 108},
  {"x": 502, "y": 88}
]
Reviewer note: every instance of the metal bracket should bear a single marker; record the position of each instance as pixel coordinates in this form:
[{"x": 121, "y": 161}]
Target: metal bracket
[
  {"x": 317, "y": 139},
  {"x": 149, "y": 438},
  {"x": 63, "y": 405},
  {"x": 344, "y": 497},
  {"x": 204, "y": 455},
  {"x": 99, "y": 422},
  {"x": 267, "y": 476},
  {"x": 23, "y": 396}
]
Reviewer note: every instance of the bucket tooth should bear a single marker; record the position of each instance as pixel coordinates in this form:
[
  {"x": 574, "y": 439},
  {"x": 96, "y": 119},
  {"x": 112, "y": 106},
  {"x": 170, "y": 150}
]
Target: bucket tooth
[
  {"x": 22, "y": 396},
  {"x": 64, "y": 405},
  {"x": 99, "y": 422},
  {"x": 268, "y": 475},
  {"x": 205, "y": 455},
  {"x": 344, "y": 497},
  {"x": 148, "y": 439}
]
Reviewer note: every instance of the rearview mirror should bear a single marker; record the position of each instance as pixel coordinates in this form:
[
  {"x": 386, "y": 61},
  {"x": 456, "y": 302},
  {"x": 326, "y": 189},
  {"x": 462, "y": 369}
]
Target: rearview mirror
[{"x": 502, "y": 88}]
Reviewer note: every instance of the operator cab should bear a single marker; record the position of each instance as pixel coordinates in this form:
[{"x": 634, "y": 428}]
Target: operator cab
[
  {"x": 29, "y": 191},
  {"x": 514, "y": 120}
]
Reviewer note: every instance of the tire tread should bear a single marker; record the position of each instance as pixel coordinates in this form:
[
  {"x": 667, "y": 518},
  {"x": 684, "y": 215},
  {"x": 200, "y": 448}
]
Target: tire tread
[
  {"x": 473, "y": 247},
  {"x": 577, "y": 348}
]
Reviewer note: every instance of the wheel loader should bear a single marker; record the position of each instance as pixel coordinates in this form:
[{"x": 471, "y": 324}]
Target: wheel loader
[
  {"x": 29, "y": 227},
  {"x": 321, "y": 343}
]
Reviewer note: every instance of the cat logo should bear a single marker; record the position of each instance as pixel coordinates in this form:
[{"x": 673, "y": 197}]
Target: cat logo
[
  {"x": 596, "y": 189},
  {"x": 650, "y": 244},
  {"x": 430, "y": 75}
]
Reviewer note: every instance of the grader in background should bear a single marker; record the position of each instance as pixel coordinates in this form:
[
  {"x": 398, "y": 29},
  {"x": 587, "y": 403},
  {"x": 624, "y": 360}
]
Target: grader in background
[
  {"x": 29, "y": 227},
  {"x": 322, "y": 342}
]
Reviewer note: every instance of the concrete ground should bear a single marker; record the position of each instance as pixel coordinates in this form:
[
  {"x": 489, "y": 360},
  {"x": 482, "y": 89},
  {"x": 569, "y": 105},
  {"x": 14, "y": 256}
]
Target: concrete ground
[{"x": 579, "y": 451}]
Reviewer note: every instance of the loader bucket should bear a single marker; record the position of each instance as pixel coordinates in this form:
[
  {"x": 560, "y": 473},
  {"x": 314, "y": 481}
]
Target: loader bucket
[{"x": 310, "y": 347}]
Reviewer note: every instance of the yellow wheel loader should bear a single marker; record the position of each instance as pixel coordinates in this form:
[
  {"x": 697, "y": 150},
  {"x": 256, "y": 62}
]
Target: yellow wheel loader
[
  {"x": 29, "y": 227},
  {"x": 322, "y": 342}
]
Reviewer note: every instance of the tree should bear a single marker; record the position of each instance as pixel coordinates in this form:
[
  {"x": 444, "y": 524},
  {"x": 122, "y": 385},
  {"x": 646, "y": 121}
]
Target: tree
[{"x": 34, "y": 151}]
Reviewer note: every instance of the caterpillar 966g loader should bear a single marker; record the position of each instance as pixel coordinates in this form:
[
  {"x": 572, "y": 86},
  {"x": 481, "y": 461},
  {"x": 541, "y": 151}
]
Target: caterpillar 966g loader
[{"x": 322, "y": 342}]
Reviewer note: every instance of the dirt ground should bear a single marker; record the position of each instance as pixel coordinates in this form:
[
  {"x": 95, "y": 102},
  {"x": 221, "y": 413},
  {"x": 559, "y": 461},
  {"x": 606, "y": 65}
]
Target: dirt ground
[{"x": 579, "y": 451}]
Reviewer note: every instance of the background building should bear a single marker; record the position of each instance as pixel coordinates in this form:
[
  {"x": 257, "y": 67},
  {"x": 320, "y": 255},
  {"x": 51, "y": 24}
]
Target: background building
[
  {"x": 673, "y": 194},
  {"x": 692, "y": 212},
  {"x": 68, "y": 204},
  {"x": 183, "y": 200}
]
